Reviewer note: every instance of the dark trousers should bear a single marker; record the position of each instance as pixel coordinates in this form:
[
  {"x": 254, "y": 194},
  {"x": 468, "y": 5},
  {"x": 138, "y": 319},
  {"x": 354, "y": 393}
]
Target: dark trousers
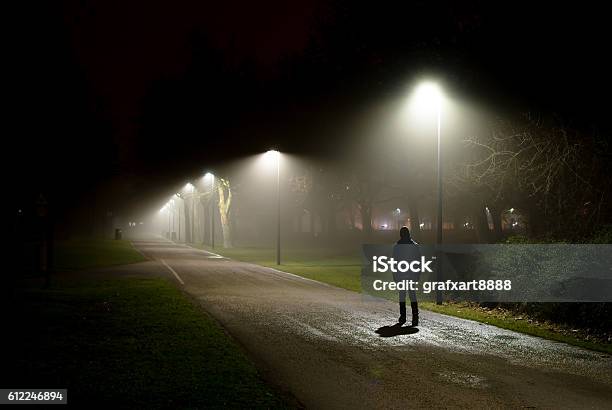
[{"x": 411, "y": 295}]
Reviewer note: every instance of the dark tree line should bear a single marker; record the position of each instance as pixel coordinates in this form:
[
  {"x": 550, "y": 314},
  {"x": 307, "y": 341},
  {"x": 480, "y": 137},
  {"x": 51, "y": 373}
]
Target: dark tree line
[{"x": 557, "y": 175}]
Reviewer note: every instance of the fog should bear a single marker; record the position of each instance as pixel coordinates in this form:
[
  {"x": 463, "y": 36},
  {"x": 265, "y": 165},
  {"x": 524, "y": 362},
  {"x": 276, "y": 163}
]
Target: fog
[{"x": 382, "y": 176}]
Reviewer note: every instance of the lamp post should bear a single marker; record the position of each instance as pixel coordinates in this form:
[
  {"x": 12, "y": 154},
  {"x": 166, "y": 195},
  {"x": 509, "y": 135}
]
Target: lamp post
[
  {"x": 190, "y": 188},
  {"x": 179, "y": 221},
  {"x": 398, "y": 213},
  {"x": 211, "y": 176},
  {"x": 430, "y": 96},
  {"x": 274, "y": 156},
  {"x": 193, "y": 203},
  {"x": 166, "y": 209},
  {"x": 172, "y": 236}
]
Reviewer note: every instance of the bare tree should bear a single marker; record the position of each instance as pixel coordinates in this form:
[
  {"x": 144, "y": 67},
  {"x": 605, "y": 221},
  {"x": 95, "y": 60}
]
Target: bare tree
[
  {"x": 556, "y": 174},
  {"x": 224, "y": 195}
]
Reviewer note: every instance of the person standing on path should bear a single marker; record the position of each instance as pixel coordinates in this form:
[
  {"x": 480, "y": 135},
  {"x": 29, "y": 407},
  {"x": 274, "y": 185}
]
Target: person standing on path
[{"x": 408, "y": 250}]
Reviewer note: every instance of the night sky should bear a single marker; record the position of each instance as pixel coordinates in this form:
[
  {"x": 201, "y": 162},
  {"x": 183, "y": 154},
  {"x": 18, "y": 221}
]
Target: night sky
[{"x": 110, "y": 100}]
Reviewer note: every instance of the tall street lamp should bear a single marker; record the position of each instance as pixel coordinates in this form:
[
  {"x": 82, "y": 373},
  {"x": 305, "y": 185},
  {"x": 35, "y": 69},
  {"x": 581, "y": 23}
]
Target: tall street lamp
[
  {"x": 273, "y": 156},
  {"x": 398, "y": 213},
  {"x": 178, "y": 195},
  {"x": 166, "y": 209},
  {"x": 172, "y": 233},
  {"x": 211, "y": 176},
  {"x": 190, "y": 188},
  {"x": 428, "y": 95}
]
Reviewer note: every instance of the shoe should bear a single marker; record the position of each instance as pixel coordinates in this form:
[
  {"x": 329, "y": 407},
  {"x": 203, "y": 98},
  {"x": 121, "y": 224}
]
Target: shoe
[
  {"x": 415, "y": 313},
  {"x": 402, "y": 318}
]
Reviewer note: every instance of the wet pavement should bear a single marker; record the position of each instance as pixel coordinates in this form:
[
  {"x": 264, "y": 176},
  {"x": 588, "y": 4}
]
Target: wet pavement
[{"x": 321, "y": 343}]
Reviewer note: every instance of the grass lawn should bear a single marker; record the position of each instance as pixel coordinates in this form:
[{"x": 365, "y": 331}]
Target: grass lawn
[
  {"x": 502, "y": 318},
  {"x": 126, "y": 342},
  {"x": 344, "y": 270},
  {"x": 94, "y": 253}
]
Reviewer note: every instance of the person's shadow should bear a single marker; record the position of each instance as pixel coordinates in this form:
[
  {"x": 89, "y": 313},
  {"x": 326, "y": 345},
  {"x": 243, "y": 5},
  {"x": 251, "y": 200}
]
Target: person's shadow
[{"x": 396, "y": 330}]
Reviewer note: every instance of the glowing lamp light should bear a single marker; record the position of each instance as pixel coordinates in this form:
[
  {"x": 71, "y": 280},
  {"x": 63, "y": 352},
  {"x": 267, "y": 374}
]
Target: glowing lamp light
[
  {"x": 209, "y": 177},
  {"x": 428, "y": 94},
  {"x": 271, "y": 157}
]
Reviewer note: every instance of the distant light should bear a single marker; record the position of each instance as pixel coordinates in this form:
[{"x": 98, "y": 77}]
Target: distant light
[
  {"x": 209, "y": 175},
  {"x": 422, "y": 224},
  {"x": 398, "y": 210},
  {"x": 189, "y": 187},
  {"x": 511, "y": 210},
  {"x": 384, "y": 226}
]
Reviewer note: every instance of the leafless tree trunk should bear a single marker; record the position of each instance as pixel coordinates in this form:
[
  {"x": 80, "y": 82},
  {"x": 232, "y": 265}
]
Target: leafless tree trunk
[
  {"x": 415, "y": 220},
  {"x": 224, "y": 192},
  {"x": 365, "y": 208},
  {"x": 496, "y": 212}
]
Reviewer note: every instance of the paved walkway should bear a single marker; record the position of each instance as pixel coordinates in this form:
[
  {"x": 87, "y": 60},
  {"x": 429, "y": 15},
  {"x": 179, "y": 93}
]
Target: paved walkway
[{"x": 320, "y": 343}]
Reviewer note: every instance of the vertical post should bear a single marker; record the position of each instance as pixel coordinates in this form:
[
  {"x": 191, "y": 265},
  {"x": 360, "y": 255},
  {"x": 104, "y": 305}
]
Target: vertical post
[
  {"x": 192, "y": 213},
  {"x": 212, "y": 212},
  {"x": 397, "y": 213},
  {"x": 169, "y": 231},
  {"x": 179, "y": 223},
  {"x": 439, "y": 222},
  {"x": 278, "y": 209}
]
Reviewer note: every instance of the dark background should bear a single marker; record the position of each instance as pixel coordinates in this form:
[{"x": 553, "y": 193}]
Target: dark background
[{"x": 111, "y": 104}]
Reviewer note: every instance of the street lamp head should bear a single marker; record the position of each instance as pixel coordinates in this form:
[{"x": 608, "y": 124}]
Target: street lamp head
[
  {"x": 272, "y": 154},
  {"x": 424, "y": 104},
  {"x": 271, "y": 157},
  {"x": 209, "y": 175},
  {"x": 428, "y": 95}
]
